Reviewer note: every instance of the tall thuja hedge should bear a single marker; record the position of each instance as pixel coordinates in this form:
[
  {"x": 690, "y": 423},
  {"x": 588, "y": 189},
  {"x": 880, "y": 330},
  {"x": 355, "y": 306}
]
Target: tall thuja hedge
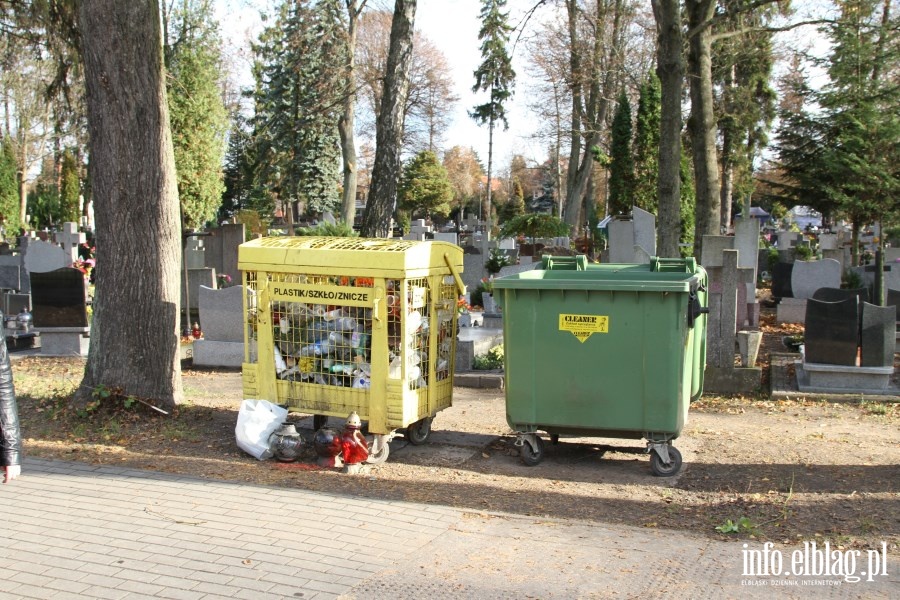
[
  {"x": 621, "y": 166},
  {"x": 197, "y": 112},
  {"x": 9, "y": 188},
  {"x": 646, "y": 145}
]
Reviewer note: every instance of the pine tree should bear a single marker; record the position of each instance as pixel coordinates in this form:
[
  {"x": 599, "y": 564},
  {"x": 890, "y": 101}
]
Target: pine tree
[
  {"x": 425, "y": 186},
  {"x": 621, "y": 167},
  {"x": 494, "y": 75},
  {"x": 646, "y": 145},
  {"x": 70, "y": 188},
  {"x": 847, "y": 151},
  {"x": 298, "y": 103}
]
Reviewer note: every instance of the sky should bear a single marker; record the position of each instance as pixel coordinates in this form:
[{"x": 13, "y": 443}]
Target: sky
[{"x": 452, "y": 26}]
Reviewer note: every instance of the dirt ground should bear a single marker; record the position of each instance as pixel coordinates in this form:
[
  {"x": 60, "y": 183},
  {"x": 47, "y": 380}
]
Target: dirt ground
[{"x": 787, "y": 470}]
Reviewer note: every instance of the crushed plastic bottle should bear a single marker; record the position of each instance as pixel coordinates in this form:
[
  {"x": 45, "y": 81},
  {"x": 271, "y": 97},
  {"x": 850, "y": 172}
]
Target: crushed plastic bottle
[
  {"x": 394, "y": 368},
  {"x": 280, "y": 364}
]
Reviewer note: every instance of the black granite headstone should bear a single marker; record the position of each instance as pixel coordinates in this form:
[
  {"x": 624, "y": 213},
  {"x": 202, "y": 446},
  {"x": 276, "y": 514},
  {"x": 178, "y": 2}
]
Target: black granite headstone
[
  {"x": 878, "y": 335},
  {"x": 59, "y": 298},
  {"x": 893, "y": 299},
  {"x": 781, "y": 280},
  {"x": 838, "y": 294},
  {"x": 831, "y": 336}
]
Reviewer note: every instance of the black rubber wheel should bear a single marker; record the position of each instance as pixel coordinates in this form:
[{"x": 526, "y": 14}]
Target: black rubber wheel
[
  {"x": 419, "y": 432},
  {"x": 319, "y": 421},
  {"x": 532, "y": 457},
  {"x": 662, "y": 470},
  {"x": 377, "y": 459}
]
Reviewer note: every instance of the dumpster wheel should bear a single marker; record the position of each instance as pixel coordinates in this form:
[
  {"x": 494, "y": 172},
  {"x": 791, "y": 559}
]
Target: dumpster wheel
[
  {"x": 379, "y": 449},
  {"x": 532, "y": 449},
  {"x": 418, "y": 433},
  {"x": 659, "y": 468}
]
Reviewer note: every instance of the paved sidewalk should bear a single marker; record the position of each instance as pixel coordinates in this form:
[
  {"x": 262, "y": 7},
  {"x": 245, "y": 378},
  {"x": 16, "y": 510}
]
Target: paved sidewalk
[{"x": 71, "y": 530}]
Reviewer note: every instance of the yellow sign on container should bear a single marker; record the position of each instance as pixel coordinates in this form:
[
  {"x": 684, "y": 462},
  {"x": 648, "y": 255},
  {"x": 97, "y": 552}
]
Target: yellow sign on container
[{"x": 583, "y": 326}]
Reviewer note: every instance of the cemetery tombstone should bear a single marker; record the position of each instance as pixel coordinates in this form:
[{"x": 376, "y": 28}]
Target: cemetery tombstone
[
  {"x": 878, "y": 335},
  {"x": 832, "y": 332},
  {"x": 59, "y": 301},
  {"x": 781, "y": 280},
  {"x": 808, "y": 276},
  {"x": 222, "y": 321},
  {"x": 69, "y": 239},
  {"x": 893, "y": 299}
]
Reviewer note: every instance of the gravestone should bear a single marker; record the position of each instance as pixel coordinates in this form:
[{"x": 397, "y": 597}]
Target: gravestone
[
  {"x": 11, "y": 272},
  {"x": 809, "y": 275},
  {"x": 893, "y": 299},
  {"x": 59, "y": 302},
  {"x": 222, "y": 321},
  {"x": 621, "y": 241},
  {"x": 15, "y": 303},
  {"x": 878, "y": 335},
  {"x": 711, "y": 252},
  {"x": 644, "y": 230},
  {"x": 194, "y": 253},
  {"x": 746, "y": 242},
  {"x": 197, "y": 278},
  {"x": 69, "y": 239},
  {"x": 827, "y": 294},
  {"x": 43, "y": 257},
  {"x": 222, "y": 249},
  {"x": 781, "y": 280},
  {"x": 842, "y": 255},
  {"x": 832, "y": 332},
  {"x": 787, "y": 239},
  {"x": 447, "y": 237},
  {"x": 828, "y": 241}
]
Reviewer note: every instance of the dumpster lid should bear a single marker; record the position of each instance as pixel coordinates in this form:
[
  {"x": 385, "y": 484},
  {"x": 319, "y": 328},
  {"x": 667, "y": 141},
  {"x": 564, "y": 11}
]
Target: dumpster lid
[{"x": 387, "y": 256}]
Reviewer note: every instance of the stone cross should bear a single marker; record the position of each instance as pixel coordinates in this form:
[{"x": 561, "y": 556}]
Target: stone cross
[{"x": 70, "y": 238}]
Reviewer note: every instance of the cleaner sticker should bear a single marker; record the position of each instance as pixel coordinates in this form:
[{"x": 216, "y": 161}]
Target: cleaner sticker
[{"x": 583, "y": 326}]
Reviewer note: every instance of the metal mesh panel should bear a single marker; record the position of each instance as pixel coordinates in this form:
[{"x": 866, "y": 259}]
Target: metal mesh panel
[
  {"x": 446, "y": 332},
  {"x": 325, "y": 344}
]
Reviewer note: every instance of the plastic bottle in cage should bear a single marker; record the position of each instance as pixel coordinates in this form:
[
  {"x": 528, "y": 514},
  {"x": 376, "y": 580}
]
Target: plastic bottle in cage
[
  {"x": 338, "y": 341},
  {"x": 394, "y": 369},
  {"x": 413, "y": 321},
  {"x": 331, "y": 315},
  {"x": 346, "y": 324},
  {"x": 361, "y": 382},
  {"x": 316, "y": 349}
]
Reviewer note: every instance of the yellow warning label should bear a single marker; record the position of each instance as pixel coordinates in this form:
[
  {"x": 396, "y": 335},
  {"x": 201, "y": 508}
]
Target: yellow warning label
[{"x": 583, "y": 326}]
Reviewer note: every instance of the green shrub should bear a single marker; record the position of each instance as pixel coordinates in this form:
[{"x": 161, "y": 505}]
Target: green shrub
[{"x": 491, "y": 361}]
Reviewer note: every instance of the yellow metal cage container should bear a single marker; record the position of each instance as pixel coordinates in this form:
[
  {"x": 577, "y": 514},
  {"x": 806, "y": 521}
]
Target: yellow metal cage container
[{"x": 335, "y": 325}]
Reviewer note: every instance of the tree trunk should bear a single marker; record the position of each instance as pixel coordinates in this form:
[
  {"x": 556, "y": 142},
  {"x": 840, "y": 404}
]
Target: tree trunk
[
  {"x": 376, "y": 221},
  {"x": 346, "y": 122},
  {"x": 702, "y": 122},
  {"x": 134, "y": 337},
  {"x": 577, "y": 108},
  {"x": 670, "y": 69},
  {"x": 487, "y": 197},
  {"x": 727, "y": 193},
  {"x": 598, "y": 104}
]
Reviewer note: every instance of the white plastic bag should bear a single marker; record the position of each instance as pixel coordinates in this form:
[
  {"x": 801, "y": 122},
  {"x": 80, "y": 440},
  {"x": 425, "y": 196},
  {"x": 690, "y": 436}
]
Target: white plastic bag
[{"x": 257, "y": 420}]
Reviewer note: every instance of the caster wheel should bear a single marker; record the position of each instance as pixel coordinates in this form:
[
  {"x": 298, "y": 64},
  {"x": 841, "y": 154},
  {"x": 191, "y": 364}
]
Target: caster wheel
[
  {"x": 419, "y": 432},
  {"x": 380, "y": 456},
  {"x": 530, "y": 456},
  {"x": 666, "y": 470}
]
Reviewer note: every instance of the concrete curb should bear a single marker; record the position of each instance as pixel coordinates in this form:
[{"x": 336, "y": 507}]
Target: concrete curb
[{"x": 479, "y": 379}]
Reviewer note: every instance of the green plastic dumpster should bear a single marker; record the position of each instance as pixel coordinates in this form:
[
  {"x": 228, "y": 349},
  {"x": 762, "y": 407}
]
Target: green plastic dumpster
[{"x": 604, "y": 350}]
